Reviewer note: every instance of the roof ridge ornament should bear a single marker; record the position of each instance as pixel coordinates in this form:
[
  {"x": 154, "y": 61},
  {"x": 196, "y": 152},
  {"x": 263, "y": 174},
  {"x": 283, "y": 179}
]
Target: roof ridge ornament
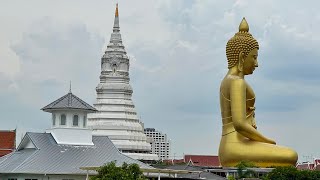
[{"x": 244, "y": 26}]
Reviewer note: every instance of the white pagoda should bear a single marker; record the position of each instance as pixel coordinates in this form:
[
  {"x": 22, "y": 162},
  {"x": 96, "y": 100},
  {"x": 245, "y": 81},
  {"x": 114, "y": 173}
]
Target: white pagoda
[{"x": 116, "y": 116}]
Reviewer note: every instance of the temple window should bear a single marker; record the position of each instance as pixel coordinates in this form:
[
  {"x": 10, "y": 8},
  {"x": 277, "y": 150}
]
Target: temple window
[
  {"x": 114, "y": 66},
  {"x": 53, "y": 119},
  {"x": 63, "y": 119},
  {"x": 84, "y": 121},
  {"x": 75, "y": 120}
]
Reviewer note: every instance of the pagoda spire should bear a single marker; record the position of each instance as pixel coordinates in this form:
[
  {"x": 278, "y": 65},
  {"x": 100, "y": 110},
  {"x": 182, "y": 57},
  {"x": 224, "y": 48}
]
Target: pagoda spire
[
  {"x": 116, "y": 27},
  {"x": 116, "y": 116},
  {"x": 117, "y": 12}
]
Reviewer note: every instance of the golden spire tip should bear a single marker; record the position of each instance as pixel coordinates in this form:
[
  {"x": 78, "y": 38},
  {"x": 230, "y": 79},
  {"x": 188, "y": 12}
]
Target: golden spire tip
[
  {"x": 244, "y": 27},
  {"x": 117, "y": 13}
]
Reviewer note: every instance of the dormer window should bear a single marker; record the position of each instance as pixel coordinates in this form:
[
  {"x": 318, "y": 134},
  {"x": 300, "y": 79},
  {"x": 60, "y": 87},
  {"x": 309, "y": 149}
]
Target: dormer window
[
  {"x": 75, "y": 120},
  {"x": 53, "y": 119},
  {"x": 63, "y": 119}
]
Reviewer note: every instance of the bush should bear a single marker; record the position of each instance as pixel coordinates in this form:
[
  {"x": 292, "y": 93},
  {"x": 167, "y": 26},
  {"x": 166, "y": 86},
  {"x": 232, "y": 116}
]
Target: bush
[
  {"x": 126, "y": 172},
  {"x": 243, "y": 171},
  {"x": 291, "y": 173}
]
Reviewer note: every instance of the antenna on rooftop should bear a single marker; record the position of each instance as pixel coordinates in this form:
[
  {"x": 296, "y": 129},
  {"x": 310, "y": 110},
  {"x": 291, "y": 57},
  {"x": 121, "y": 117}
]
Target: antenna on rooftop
[{"x": 70, "y": 87}]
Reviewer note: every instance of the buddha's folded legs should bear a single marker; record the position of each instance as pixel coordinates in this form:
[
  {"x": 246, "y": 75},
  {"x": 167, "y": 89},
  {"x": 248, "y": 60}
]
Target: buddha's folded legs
[{"x": 232, "y": 152}]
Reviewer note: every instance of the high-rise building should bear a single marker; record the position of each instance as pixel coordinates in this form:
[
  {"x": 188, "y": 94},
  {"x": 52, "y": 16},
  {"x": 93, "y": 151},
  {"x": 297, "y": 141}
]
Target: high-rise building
[
  {"x": 116, "y": 116},
  {"x": 160, "y": 144}
]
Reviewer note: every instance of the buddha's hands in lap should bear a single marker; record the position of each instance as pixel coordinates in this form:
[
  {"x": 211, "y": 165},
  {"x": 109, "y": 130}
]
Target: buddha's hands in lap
[
  {"x": 271, "y": 141},
  {"x": 253, "y": 123}
]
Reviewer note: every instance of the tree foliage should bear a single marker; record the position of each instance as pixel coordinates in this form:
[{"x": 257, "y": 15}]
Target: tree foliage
[
  {"x": 291, "y": 173},
  {"x": 243, "y": 171},
  {"x": 126, "y": 172}
]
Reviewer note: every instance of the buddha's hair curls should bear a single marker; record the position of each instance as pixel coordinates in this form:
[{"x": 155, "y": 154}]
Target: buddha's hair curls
[{"x": 240, "y": 42}]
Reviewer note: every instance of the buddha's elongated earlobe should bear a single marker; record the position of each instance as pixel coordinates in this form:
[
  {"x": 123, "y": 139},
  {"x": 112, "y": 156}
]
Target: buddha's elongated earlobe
[{"x": 241, "y": 61}]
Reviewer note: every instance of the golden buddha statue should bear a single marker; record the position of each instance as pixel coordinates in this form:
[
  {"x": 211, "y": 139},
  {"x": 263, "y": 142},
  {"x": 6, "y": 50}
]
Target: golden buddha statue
[{"x": 240, "y": 138}]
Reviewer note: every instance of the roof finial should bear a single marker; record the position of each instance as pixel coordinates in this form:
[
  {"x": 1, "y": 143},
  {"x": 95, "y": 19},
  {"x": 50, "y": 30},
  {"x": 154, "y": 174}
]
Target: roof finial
[
  {"x": 244, "y": 27},
  {"x": 70, "y": 88},
  {"x": 117, "y": 12}
]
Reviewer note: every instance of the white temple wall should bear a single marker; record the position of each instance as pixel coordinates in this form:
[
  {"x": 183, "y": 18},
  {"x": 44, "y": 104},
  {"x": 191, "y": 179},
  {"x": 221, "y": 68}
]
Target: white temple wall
[
  {"x": 106, "y": 102},
  {"x": 114, "y": 116},
  {"x": 69, "y": 119},
  {"x": 116, "y": 126},
  {"x": 113, "y": 95},
  {"x": 115, "y": 108}
]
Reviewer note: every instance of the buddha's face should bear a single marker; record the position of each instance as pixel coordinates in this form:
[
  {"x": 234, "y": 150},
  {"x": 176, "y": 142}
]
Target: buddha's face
[{"x": 251, "y": 62}]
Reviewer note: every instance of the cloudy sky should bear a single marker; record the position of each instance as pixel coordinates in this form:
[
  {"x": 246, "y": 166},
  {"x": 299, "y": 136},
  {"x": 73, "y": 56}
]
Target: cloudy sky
[{"x": 177, "y": 51}]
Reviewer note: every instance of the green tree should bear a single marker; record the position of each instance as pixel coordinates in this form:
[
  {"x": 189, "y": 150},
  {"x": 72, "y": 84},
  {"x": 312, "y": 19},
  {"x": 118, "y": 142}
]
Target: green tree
[
  {"x": 291, "y": 173},
  {"x": 126, "y": 172},
  {"x": 283, "y": 173},
  {"x": 243, "y": 171}
]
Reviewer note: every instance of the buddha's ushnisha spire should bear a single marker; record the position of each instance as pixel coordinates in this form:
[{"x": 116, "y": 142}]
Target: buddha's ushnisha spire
[
  {"x": 244, "y": 27},
  {"x": 116, "y": 27}
]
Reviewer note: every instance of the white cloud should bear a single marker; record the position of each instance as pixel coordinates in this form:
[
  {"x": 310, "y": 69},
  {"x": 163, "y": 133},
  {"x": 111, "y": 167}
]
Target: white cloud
[
  {"x": 188, "y": 46},
  {"x": 177, "y": 51}
]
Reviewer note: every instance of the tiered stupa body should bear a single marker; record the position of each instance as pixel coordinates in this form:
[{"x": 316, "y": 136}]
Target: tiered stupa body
[{"x": 116, "y": 116}]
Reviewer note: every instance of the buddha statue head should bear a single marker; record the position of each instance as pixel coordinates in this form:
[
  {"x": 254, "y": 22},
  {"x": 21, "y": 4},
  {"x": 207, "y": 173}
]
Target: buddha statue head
[{"x": 242, "y": 50}]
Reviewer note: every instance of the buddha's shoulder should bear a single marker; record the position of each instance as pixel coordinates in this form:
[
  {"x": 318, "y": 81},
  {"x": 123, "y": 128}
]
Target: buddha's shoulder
[
  {"x": 232, "y": 82},
  {"x": 235, "y": 79}
]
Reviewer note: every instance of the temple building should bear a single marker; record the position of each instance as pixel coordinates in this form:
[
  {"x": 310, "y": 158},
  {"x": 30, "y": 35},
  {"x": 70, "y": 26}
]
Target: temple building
[
  {"x": 116, "y": 116},
  {"x": 64, "y": 149}
]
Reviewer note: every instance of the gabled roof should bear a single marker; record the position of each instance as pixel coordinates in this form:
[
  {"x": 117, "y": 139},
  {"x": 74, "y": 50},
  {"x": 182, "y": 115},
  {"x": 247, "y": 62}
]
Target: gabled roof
[
  {"x": 203, "y": 160},
  {"x": 68, "y": 101},
  {"x": 305, "y": 166},
  {"x": 7, "y": 141},
  {"x": 52, "y": 158},
  {"x": 27, "y": 143}
]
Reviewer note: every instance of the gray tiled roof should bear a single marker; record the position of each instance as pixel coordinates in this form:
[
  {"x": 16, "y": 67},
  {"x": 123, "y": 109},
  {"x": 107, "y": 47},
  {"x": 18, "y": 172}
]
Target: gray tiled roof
[
  {"x": 51, "y": 158},
  {"x": 204, "y": 174},
  {"x": 68, "y": 101}
]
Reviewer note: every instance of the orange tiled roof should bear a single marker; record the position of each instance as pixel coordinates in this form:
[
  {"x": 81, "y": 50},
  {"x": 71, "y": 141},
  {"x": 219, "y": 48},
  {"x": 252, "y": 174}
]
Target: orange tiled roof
[
  {"x": 203, "y": 160},
  {"x": 7, "y": 142}
]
